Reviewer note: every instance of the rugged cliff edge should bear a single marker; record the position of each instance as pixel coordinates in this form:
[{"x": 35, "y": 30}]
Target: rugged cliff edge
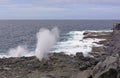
[
  {"x": 110, "y": 66},
  {"x": 104, "y": 64}
]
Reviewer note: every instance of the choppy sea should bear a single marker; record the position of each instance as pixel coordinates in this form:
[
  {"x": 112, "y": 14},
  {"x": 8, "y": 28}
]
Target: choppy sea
[{"x": 15, "y": 33}]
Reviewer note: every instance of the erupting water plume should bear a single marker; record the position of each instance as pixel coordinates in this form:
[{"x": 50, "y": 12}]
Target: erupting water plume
[{"x": 45, "y": 40}]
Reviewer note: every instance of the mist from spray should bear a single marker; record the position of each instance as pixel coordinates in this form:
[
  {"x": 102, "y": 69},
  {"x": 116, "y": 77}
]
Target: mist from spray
[
  {"x": 46, "y": 39},
  {"x": 18, "y": 51}
]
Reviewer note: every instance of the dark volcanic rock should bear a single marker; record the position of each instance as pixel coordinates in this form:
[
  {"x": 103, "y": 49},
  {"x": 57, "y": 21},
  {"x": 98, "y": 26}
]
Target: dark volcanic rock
[
  {"x": 84, "y": 63},
  {"x": 116, "y": 26},
  {"x": 110, "y": 67},
  {"x": 59, "y": 65},
  {"x": 105, "y": 64},
  {"x": 79, "y": 55}
]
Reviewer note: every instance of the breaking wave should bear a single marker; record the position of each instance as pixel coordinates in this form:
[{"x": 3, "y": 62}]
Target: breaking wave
[
  {"x": 69, "y": 43},
  {"x": 75, "y": 42}
]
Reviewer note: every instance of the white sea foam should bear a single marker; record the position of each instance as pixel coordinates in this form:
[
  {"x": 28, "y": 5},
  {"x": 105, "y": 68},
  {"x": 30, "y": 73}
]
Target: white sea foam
[
  {"x": 45, "y": 40},
  {"x": 76, "y": 43}
]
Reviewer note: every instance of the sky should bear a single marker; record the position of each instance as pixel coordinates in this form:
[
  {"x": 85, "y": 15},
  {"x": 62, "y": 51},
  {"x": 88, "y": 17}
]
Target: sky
[{"x": 60, "y": 9}]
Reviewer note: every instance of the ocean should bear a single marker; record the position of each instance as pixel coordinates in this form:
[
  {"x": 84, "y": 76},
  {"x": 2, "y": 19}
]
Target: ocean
[{"x": 15, "y": 33}]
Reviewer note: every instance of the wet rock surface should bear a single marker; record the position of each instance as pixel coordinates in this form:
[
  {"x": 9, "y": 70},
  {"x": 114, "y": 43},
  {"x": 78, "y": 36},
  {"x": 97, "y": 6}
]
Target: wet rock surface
[
  {"x": 104, "y": 64},
  {"x": 58, "y": 65}
]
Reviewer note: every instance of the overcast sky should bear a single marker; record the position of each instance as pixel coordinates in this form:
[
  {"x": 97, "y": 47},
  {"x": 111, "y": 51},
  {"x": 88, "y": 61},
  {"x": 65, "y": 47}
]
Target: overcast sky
[{"x": 59, "y": 9}]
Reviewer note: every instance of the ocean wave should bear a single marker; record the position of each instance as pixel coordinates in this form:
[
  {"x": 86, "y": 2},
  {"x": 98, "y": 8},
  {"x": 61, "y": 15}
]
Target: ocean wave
[{"x": 76, "y": 43}]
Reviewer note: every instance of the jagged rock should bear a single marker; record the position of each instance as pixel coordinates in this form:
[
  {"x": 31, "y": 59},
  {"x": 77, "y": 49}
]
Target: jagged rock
[
  {"x": 108, "y": 68},
  {"x": 85, "y": 33},
  {"x": 79, "y": 55},
  {"x": 105, "y": 64},
  {"x": 85, "y": 74},
  {"x": 116, "y": 26}
]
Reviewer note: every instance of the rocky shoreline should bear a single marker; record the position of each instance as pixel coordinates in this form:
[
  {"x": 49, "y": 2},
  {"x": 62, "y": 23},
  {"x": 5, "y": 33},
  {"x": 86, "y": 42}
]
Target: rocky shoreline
[{"x": 104, "y": 64}]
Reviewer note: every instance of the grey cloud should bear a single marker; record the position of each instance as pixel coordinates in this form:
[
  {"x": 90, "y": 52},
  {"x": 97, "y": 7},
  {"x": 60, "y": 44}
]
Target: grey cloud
[
  {"x": 80, "y": 1},
  {"x": 65, "y": 1},
  {"x": 4, "y": 1}
]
